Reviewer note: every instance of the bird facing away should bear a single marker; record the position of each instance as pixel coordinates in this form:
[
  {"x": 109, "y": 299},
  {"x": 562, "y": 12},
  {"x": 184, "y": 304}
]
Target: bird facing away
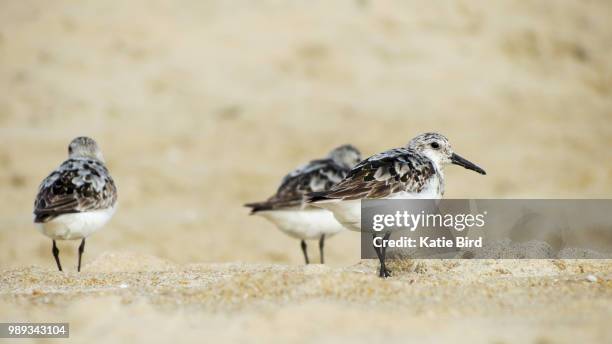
[
  {"x": 287, "y": 208},
  {"x": 415, "y": 171},
  {"x": 76, "y": 199}
]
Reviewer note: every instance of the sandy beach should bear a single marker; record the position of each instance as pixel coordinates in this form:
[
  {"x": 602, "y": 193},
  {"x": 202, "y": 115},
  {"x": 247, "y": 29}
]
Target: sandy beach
[
  {"x": 481, "y": 301},
  {"x": 200, "y": 107}
]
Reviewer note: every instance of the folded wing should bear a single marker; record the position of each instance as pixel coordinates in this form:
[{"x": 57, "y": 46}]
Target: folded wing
[
  {"x": 381, "y": 175},
  {"x": 318, "y": 175},
  {"x": 78, "y": 185}
]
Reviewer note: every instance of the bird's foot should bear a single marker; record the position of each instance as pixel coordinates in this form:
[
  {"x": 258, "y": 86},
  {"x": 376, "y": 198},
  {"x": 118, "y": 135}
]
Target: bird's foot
[{"x": 384, "y": 272}]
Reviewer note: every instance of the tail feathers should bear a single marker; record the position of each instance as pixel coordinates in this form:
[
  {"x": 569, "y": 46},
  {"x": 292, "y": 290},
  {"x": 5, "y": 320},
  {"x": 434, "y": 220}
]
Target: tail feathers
[
  {"x": 42, "y": 218},
  {"x": 258, "y": 206}
]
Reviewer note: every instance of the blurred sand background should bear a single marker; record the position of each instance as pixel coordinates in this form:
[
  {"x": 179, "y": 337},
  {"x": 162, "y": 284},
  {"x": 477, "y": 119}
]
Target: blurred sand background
[{"x": 201, "y": 106}]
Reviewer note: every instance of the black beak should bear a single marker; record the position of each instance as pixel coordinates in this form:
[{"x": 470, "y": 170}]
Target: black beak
[{"x": 458, "y": 160}]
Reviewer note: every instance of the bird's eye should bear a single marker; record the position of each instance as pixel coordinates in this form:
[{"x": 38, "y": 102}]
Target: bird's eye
[{"x": 435, "y": 145}]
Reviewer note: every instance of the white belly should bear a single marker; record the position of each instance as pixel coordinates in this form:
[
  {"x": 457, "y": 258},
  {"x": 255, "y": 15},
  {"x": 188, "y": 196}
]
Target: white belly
[
  {"x": 304, "y": 224},
  {"x": 76, "y": 226},
  {"x": 348, "y": 213}
]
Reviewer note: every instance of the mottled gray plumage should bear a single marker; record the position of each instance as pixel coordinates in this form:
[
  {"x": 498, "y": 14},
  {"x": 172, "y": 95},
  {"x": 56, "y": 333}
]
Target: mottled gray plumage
[
  {"x": 81, "y": 183},
  {"x": 317, "y": 175},
  {"x": 409, "y": 170},
  {"x": 383, "y": 174}
]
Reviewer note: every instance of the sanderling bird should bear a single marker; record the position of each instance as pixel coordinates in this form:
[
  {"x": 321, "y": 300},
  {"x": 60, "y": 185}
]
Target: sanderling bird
[
  {"x": 76, "y": 199},
  {"x": 287, "y": 208},
  {"x": 415, "y": 171}
]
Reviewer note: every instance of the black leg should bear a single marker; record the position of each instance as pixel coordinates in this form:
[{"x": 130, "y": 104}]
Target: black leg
[
  {"x": 380, "y": 252},
  {"x": 305, "y": 253},
  {"x": 81, "y": 249},
  {"x": 386, "y": 271},
  {"x": 321, "y": 244},
  {"x": 56, "y": 256}
]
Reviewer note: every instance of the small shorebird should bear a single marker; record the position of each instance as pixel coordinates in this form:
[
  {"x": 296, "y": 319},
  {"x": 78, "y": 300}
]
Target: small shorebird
[
  {"x": 415, "y": 171},
  {"x": 287, "y": 208},
  {"x": 76, "y": 199}
]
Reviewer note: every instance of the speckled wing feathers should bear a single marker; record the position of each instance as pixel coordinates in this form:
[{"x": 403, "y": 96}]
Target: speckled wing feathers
[
  {"x": 318, "y": 175},
  {"x": 382, "y": 175},
  {"x": 78, "y": 185}
]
